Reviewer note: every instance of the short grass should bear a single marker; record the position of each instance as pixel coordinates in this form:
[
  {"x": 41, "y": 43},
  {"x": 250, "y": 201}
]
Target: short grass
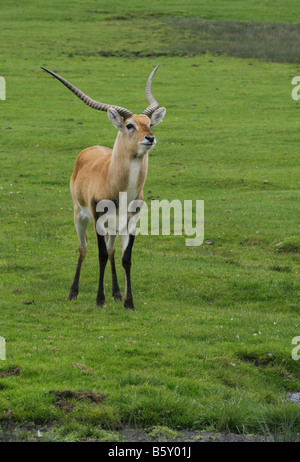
[{"x": 209, "y": 345}]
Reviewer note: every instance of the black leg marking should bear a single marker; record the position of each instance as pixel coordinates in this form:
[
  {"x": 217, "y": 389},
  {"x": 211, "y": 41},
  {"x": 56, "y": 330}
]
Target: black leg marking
[
  {"x": 103, "y": 257},
  {"x": 75, "y": 286},
  {"x": 116, "y": 293},
  {"x": 126, "y": 262}
]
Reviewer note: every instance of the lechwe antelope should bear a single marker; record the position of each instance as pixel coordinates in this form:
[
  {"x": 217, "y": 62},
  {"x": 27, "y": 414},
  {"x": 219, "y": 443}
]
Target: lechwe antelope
[{"x": 101, "y": 173}]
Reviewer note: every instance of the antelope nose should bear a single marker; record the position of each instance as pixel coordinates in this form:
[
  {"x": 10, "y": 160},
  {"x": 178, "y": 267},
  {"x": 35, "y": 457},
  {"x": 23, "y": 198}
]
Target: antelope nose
[{"x": 150, "y": 138}]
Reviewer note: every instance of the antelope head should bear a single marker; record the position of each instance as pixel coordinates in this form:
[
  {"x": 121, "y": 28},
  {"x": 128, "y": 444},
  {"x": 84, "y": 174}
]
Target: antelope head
[{"x": 134, "y": 130}]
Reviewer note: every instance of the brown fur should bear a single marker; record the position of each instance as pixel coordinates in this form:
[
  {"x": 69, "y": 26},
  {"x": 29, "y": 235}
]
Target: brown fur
[{"x": 101, "y": 173}]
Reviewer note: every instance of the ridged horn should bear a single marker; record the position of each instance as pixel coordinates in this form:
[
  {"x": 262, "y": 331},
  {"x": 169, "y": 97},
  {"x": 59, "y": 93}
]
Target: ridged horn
[
  {"x": 87, "y": 100},
  {"x": 153, "y": 104}
]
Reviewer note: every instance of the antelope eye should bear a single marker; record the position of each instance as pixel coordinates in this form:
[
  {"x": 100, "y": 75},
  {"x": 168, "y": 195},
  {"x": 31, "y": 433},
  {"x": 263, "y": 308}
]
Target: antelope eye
[{"x": 129, "y": 126}]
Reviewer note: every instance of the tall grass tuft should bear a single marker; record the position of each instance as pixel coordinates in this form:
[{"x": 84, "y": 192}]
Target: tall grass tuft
[{"x": 267, "y": 41}]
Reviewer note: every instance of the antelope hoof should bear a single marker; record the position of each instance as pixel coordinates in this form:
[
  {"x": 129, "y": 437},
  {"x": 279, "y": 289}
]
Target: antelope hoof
[
  {"x": 100, "y": 303},
  {"x": 129, "y": 305},
  {"x": 118, "y": 297},
  {"x": 72, "y": 296}
]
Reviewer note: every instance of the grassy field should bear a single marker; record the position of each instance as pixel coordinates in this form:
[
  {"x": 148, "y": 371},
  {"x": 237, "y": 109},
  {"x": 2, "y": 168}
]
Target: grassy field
[{"x": 209, "y": 346}]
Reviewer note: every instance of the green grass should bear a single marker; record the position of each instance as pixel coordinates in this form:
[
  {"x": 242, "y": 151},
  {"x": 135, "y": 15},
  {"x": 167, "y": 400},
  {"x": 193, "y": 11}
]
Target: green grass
[
  {"x": 209, "y": 345},
  {"x": 268, "y": 41}
]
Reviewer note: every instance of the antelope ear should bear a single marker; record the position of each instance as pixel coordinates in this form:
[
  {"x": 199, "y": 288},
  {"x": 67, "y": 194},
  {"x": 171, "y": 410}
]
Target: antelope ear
[
  {"x": 158, "y": 116},
  {"x": 115, "y": 118}
]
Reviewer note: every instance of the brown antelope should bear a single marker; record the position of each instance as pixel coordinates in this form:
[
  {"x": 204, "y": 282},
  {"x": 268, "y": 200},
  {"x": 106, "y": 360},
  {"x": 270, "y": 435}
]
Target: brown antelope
[{"x": 101, "y": 173}]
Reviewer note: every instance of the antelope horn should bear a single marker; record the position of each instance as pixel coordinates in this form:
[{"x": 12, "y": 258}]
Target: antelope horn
[
  {"x": 89, "y": 101},
  {"x": 153, "y": 104}
]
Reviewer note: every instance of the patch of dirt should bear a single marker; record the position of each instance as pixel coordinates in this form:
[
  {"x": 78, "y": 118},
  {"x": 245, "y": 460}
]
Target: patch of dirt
[
  {"x": 78, "y": 395},
  {"x": 63, "y": 397},
  {"x": 14, "y": 371},
  {"x": 256, "y": 361},
  {"x": 130, "y": 53}
]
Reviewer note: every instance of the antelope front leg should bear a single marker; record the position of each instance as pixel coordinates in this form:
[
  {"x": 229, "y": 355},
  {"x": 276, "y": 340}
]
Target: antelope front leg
[
  {"x": 127, "y": 244},
  {"x": 103, "y": 257},
  {"x": 116, "y": 293}
]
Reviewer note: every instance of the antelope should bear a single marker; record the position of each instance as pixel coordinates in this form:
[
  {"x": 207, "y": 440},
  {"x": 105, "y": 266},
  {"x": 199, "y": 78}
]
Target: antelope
[{"x": 101, "y": 173}]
